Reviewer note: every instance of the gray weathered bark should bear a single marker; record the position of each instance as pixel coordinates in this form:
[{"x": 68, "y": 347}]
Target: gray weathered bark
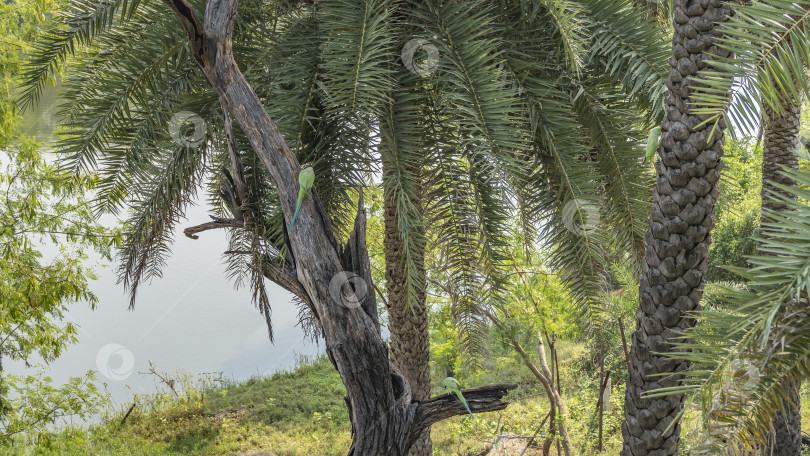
[
  {"x": 385, "y": 419},
  {"x": 678, "y": 236}
]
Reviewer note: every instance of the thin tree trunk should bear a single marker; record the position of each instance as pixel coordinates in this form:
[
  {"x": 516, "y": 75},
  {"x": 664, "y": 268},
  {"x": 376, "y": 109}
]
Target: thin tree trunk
[
  {"x": 601, "y": 402},
  {"x": 407, "y": 322},
  {"x": 547, "y": 380},
  {"x": 385, "y": 418},
  {"x": 678, "y": 235},
  {"x": 781, "y": 143},
  {"x": 552, "y": 430},
  {"x": 3, "y": 408},
  {"x": 554, "y": 397}
]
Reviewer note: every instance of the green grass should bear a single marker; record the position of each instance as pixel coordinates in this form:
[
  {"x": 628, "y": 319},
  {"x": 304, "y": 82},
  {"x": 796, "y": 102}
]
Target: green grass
[
  {"x": 301, "y": 412},
  {"x": 287, "y": 399}
]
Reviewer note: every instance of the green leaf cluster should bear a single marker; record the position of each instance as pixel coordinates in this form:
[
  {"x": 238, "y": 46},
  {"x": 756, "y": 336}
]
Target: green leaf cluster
[{"x": 526, "y": 112}]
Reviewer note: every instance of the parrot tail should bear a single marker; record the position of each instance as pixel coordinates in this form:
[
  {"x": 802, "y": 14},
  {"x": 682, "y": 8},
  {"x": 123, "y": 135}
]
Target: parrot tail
[
  {"x": 461, "y": 398},
  {"x": 295, "y": 216}
]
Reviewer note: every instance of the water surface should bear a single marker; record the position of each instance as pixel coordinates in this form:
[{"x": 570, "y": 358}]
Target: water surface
[{"x": 192, "y": 318}]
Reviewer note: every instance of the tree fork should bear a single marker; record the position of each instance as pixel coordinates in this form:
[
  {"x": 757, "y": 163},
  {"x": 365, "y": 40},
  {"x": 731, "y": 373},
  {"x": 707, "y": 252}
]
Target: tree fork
[{"x": 384, "y": 418}]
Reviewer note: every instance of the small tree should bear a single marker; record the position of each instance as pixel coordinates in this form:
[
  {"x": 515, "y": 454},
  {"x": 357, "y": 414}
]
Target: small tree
[
  {"x": 40, "y": 204},
  {"x": 45, "y": 226}
]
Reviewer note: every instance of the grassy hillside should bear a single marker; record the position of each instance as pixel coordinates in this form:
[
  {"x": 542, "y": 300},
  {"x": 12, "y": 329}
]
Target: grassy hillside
[{"x": 301, "y": 412}]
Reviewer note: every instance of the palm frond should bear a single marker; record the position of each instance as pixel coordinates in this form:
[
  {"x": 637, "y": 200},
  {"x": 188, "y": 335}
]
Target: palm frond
[
  {"x": 632, "y": 50},
  {"x": 162, "y": 196},
  {"x": 453, "y": 228},
  {"x": 78, "y": 24},
  {"x": 571, "y": 27},
  {"x": 356, "y": 51},
  {"x": 613, "y": 134},
  {"x": 771, "y": 50},
  {"x": 402, "y": 152},
  {"x": 744, "y": 355},
  {"x": 114, "y": 105}
]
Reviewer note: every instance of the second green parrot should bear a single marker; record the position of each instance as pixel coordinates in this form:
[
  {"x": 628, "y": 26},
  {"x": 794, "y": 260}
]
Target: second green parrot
[
  {"x": 453, "y": 385},
  {"x": 652, "y": 145},
  {"x": 306, "y": 178}
]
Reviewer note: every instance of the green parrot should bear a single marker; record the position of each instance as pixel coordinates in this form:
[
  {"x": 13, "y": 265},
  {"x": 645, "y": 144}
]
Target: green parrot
[
  {"x": 306, "y": 178},
  {"x": 452, "y": 384},
  {"x": 652, "y": 145}
]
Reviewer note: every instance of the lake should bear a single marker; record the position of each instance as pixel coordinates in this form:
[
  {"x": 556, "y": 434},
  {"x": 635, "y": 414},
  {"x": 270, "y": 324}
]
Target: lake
[{"x": 190, "y": 319}]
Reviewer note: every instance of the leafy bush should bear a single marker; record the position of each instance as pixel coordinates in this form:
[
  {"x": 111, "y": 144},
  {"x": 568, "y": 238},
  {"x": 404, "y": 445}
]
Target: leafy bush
[{"x": 738, "y": 209}]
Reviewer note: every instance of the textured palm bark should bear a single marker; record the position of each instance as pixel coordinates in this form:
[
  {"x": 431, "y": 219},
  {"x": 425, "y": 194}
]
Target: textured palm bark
[
  {"x": 408, "y": 325},
  {"x": 780, "y": 145},
  {"x": 678, "y": 235},
  {"x": 787, "y": 436},
  {"x": 385, "y": 420}
]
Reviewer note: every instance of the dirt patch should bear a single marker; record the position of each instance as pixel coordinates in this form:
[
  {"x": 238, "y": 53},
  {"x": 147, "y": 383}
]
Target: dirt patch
[{"x": 508, "y": 446}]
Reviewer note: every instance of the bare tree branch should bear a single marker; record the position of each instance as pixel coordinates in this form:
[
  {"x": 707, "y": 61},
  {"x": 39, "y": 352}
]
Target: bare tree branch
[
  {"x": 218, "y": 223},
  {"x": 438, "y": 408}
]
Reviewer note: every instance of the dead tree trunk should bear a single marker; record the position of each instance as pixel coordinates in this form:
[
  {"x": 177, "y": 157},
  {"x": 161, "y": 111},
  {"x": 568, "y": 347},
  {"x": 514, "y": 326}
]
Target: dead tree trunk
[{"x": 385, "y": 419}]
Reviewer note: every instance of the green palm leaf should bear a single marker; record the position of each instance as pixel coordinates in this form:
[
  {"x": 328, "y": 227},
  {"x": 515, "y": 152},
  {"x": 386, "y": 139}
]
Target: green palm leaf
[
  {"x": 771, "y": 51},
  {"x": 82, "y": 21},
  {"x": 744, "y": 354}
]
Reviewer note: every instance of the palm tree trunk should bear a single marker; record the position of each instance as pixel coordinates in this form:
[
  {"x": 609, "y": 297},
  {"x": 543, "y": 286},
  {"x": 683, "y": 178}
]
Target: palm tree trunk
[
  {"x": 678, "y": 235},
  {"x": 408, "y": 324},
  {"x": 781, "y": 143},
  {"x": 780, "y": 147}
]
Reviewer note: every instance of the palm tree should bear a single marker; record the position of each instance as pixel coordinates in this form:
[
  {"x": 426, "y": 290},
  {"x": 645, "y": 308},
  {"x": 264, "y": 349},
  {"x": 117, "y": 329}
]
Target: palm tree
[
  {"x": 780, "y": 151},
  {"x": 404, "y": 245},
  {"x": 678, "y": 236},
  {"x": 748, "y": 352},
  {"x": 524, "y": 112},
  {"x": 748, "y": 355}
]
